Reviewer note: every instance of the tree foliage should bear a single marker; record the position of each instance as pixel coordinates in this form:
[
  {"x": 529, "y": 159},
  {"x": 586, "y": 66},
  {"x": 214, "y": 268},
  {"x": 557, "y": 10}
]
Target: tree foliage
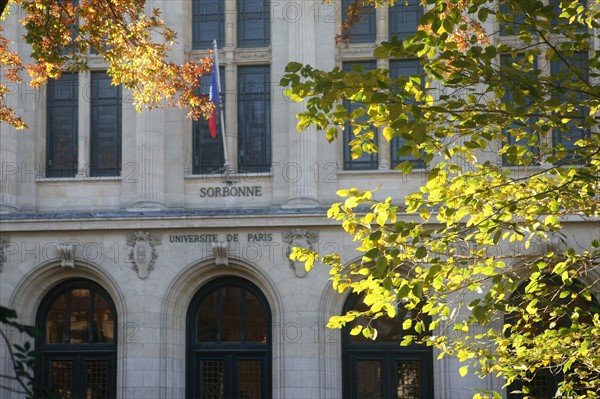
[
  {"x": 482, "y": 246},
  {"x": 127, "y": 34}
]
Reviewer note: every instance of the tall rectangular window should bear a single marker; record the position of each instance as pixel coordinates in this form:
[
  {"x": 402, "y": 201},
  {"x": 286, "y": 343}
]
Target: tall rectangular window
[
  {"x": 366, "y": 161},
  {"x": 207, "y": 152},
  {"x": 208, "y": 23},
  {"x": 530, "y": 142},
  {"x": 575, "y": 69},
  {"x": 254, "y": 119},
  {"x": 404, "y": 68},
  {"x": 105, "y": 129},
  {"x": 253, "y": 23},
  {"x": 404, "y": 18},
  {"x": 61, "y": 126},
  {"x": 365, "y": 30}
]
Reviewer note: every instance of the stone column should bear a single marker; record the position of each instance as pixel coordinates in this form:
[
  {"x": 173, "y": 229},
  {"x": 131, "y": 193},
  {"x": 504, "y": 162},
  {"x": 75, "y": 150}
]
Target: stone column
[
  {"x": 382, "y": 35},
  {"x": 9, "y": 169},
  {"x": 301, "y": 173},
  {"x": 150, "y": 160}
]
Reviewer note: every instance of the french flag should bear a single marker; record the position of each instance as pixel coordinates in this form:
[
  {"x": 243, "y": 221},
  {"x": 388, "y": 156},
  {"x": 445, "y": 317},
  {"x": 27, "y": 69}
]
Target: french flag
[{"x": 214, "y": 97}]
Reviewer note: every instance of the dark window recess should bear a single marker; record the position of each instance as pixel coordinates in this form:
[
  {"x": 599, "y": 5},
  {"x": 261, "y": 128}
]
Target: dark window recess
[
  {"x": 404, "y": 18},
  {"x": 405, "y": 68},
  {"x": 208, "y": 23},
  {"x": 365, "y": 30},
  {"x": 366, "y": 161},
  {"x": 229, "y": 342},
  {"x": 532, "y": 139},
  {"x": 207, "y": 153},
  {"x": 382, "y": 369},
  {"x": 105, "y": 129},
  {"x": 574, "y": 70},
  {"x": 253, "y": 23},
  {"x": 78, "y": 347},
  {"x": 254, "y": 119},
  {"x": 511, "y": 28},
  {"x": 61, "y": 126}
]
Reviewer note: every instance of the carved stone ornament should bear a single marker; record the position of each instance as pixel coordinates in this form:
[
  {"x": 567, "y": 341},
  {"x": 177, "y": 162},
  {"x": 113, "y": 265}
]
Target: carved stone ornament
[
  {"x": 66, "y": 254},
  {"x": 299, "y": 238},
  {"x": 143, "y": 252},
  {"x": 220, "y": 252},
  {"x": 3, "y": 244}
]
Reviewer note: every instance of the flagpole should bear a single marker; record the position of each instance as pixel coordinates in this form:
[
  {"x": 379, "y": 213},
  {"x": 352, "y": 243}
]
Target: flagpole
[{"x": 216, "y": 66}]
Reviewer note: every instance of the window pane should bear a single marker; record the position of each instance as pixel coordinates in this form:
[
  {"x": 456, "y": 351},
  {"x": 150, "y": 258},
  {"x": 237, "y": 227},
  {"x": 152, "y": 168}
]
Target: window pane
[
  {"x": 207, "y": 319},
  {"x": 405, "y": 68},
  {"x": 61, "y": 126},
  {"x": 212, "y": 379},
  {"x": 56, "y": 322},
  {"x": 208, "y": 23},
  {"x": 511, "y": 28},
  {"x": 408, "y": 381},
  {"x": 368, "y": 379},
  {"x": 256, "y": 320},
  {"x": 254, "y": 119},
  {"x": 404, "y": 18},
  {"x": 364, "y": 31},
  {"x": 575, "y": 69},
  {"x": 208, "y": 156},
  {"x": 80, "y": 315},
  {"x": 231, "y": 314},
  {"x": 97, "y": 379},
  {"x": 249, "y": 379},
  {"x": 509, "y": 159},
  {"x": 105, "y": 129},
  {"x": 104, "y": 321},
  {"x": 366, "y": 161},
  {"x": 253, "y": 23},
  {"x": 61, "y": 377}
]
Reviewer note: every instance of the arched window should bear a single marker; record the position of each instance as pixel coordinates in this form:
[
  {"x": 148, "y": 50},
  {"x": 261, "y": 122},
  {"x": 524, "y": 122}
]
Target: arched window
[
  {"x": 229, "y": 342},
  {"x": 78, "y": 344},
  {"x": 556, "y": 310},
  {"x": 382, "y": 369}
]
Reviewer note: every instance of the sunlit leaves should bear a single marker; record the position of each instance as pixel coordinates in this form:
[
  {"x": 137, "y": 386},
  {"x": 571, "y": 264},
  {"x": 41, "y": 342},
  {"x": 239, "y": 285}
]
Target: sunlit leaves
[
  {"x": 489, "y": 233},
  {"x": 128, "y": 35}
]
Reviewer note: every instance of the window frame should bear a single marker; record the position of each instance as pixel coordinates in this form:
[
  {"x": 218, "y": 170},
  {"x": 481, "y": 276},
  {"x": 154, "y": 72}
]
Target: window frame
[
  {"x": 76, "y": 352},
  {"x": 227, "y": 352}
]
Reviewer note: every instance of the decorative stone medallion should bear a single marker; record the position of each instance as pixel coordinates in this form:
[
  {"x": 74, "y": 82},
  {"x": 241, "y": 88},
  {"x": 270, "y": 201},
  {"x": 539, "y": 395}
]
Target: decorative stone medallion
[
  {"x": 299, "y": 238},
  {"x": 143, "y": 252}
]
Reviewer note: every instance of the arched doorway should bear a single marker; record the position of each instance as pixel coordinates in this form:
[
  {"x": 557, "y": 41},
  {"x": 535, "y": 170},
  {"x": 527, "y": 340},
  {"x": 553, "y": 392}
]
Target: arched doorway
[
  {"x": 229, "y": 342},
  {"x": 382, "y": 369},
  {"x": 78, "y": 344}
]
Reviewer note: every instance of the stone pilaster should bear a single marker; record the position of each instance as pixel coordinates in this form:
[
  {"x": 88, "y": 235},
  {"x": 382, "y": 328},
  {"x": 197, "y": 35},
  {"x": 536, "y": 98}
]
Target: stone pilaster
[{"x": 302, "y": 170}]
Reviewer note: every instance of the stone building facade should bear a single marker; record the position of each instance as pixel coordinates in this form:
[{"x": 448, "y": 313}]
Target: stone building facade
[{"x": 152, "y": 273}]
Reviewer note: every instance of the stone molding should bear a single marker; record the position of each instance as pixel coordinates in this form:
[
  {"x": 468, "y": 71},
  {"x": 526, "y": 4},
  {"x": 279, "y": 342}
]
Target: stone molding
[{"x": 66, "y": 253}]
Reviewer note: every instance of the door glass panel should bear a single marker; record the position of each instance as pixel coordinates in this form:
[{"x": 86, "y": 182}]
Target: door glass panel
[
  {"x": 408, "y": 380},
  {"x": 212, "y": 385},
  {"x": 207, "y": 319},
  {"x": 231, "y": 322},
  {"x": 104, "y": 321},
  {"x": 61, "y": 374},
  {"x": 97, "y": 379},
  {"x": 368, "y": 379},
  {"x": 256, "y": 320},
  {"x": 80, "y": 315},
  {"x": 56, "y": 323},
  {"x": 249, "y": 379}
]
